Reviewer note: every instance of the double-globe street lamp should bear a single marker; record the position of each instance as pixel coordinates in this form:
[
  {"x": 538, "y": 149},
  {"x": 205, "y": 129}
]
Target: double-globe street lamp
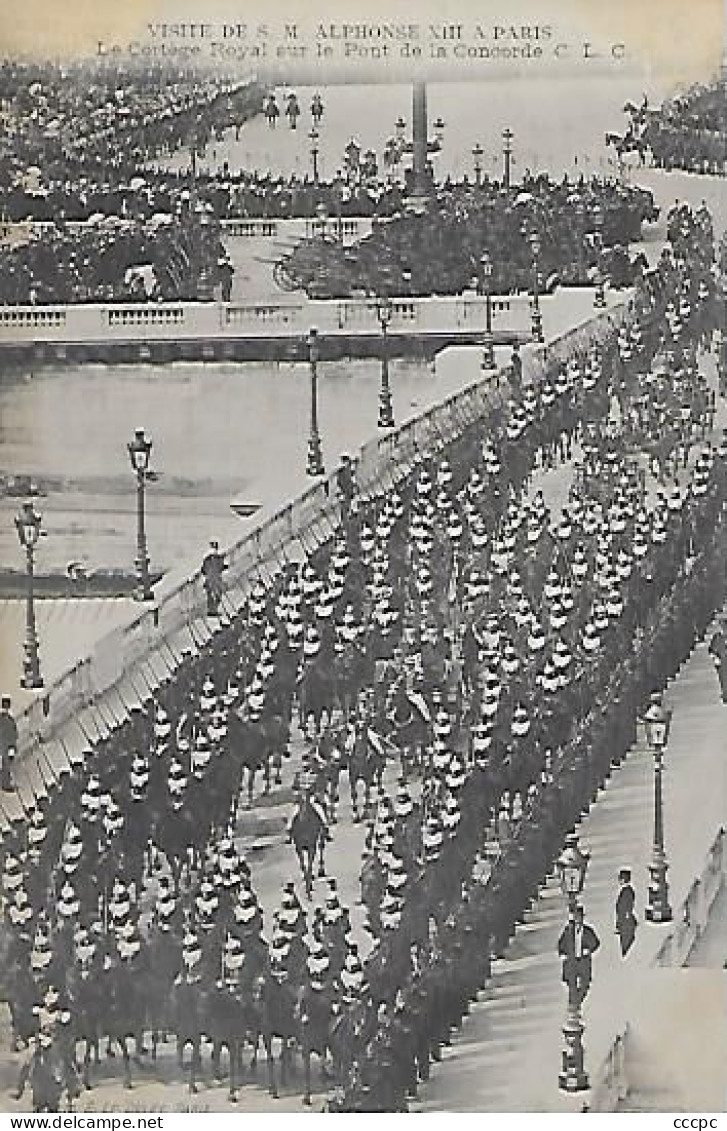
[
  {"x": 314, "y": 465},
  {"x": 139, "y": 454},
  {"x": 572, "y": 865},
  {"x": 385, "y": 311},
  {"x": 488, "y": 353},
  {"x": 399, "y": 146},
  {"x": 657, "y": 723},
  {"x": 28, "y": 524},
  {"x": 314, "y": 138},
  {"x": 203, "y": 236},
  {"x": 478, "y": 154},
  {"x": 507, "y": 140}
]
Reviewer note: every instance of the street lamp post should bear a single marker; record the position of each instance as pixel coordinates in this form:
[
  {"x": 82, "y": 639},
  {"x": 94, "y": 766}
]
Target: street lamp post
[
  {"x": 580, "y": 233},
  {"x": 488, "y": 354},
  {"x": 385, "y": 311},
  {"x": 600, "y": 296},
  {"x": 314, "y": 466},
  {"x": 537, "y": 324},
  {"x": 477, "y": 154},
  {"x": 314, "y": 137},
  {"x": 139, "y": 453},
  {"x": 507, "y": 138},
  {"x": 322, "y": 218},
  {"x": 204, "y": 224},
  {"x": 572, "y": 865},
  {"x": 28, "y": 526},
  {"x": 657, "y": 721}
]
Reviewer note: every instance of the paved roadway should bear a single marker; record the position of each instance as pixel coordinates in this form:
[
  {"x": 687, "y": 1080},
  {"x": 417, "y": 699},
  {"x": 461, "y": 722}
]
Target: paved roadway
[
  {"x": 484, "y": 1070},
  {"x": 507, "y": 1056},
  {"x": 236, "y": 432},
  {"x": 472, "y": 112}
]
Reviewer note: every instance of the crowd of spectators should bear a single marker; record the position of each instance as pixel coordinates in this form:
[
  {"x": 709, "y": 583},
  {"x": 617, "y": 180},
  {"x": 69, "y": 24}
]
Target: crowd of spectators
[
  {"x": 72, "y": 127},
  {"x": 581, "y": 228},
  {"x": 116, "y": 261}
]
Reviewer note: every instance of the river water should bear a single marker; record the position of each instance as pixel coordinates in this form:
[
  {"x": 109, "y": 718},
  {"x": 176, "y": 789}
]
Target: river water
[{"x": 225, "y": 431}]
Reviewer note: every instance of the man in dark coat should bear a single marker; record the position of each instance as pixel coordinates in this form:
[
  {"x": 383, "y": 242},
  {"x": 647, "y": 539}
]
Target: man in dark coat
[
  {"x": 213, "y": 567},
  {"x": 576, "y": 946},
  {"x": 718, "y": 652},
  {"x": 8, "y": 743},
  {"x": 625, "y": 917}
]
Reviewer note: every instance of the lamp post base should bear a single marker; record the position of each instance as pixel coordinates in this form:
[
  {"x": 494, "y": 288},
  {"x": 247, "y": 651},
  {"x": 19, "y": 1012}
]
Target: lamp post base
[
  {"x": 599, "y": 300},
  {"x": 32, "y": 679},
  {"x": 537, "y": 329},
  {"x": 573, "y": 1077},
  {"x": 314, "y": 465},
  {"x": 32, "y": 682},
  {"x": 658, "y": 908},
  {"x": 488, "y": 357},
  {"x": 144, "y": 590},
  {"x": 386, "y": 410}
]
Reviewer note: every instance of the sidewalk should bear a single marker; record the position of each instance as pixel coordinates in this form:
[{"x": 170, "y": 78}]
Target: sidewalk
[{"x": 507, "y": 1056}]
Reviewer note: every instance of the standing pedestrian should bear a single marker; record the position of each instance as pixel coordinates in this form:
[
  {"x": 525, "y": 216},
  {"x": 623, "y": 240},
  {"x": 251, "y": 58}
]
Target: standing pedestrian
[
  {"x": 213, "y": 567},
  {"x": 8, "y": 743},
  {"x": 625, "y": 917}
]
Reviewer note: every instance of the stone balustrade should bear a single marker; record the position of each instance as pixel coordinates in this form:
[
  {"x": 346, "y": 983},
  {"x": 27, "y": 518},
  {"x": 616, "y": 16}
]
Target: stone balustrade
[
  {"x": 148, "y": 323},
  {"x": 691, "y": 917},
  {"x": 134, "y": 656}
]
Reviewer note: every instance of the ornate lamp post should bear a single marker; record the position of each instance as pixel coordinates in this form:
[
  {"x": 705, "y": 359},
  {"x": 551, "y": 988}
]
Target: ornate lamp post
[
  {"x": 477, "y": 154},
  {"x": 420, "y": 147},
  {"x": 315, "y": 455},
  {"x": 322, "y": 218},
  {"x": 507, "y": 139},
  {"x": 384, "y": 311},
  {"x": 572, "y": 865},
  {"x": 28, "y": 526},
  {"x": 537, "y": 327},
  {"x": 600, "y": 296},
  {"x": 204, "y": 225},
  {"x": 580, "y": 234},
  {"x": 139, "y": 453},
  {"x": 314, "y": 137},
  {"x": 488, "y": 354},
  {"x": 657, "y": 721}
]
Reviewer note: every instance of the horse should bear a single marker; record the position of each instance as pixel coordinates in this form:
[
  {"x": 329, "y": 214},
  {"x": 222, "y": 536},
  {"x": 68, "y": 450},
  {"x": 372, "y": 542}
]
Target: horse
[
  {"x": 409, "y": 718},
  {"x": 43, "y": 1069},
  {"x": 230, "y": 1022},
  {"x": 326, "y": 762},
  {"x": 86, "y": 1001},
  {"x": 366, "y": 761},
  {"x": 316, "y": 109},
  {"x": 315, "y": 1012},
  {"x": 189, "y": 1009},
  {"x": 248, "y": 745},
  {"x": 308, "y": 834},
  {"x": 273, "y": 1003},
  {"x": 21, "y": 997},
  {"x": 316, "y": 695},
  {"x": 164, "y": 961},
  {"x": 271, "y": 111}
]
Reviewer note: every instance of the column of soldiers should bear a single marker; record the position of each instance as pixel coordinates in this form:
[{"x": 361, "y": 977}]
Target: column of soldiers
[{"x": 521, "y": 647}]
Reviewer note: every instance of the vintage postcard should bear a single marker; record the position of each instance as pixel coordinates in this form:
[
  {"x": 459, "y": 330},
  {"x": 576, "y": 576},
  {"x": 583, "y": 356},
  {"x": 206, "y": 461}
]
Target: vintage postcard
[{"x": 363, "y": 528}]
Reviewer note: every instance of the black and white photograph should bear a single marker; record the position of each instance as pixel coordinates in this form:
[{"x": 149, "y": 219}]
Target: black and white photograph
[{"x": 363, "y": 557}]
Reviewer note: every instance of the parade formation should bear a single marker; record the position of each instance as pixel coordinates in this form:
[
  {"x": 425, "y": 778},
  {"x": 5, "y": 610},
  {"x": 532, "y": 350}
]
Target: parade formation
[{"x": 457, "y": 668}]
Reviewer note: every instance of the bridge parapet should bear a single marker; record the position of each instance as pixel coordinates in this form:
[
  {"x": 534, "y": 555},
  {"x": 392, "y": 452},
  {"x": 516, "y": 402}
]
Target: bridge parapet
[{"x": 137, "y": 656}]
